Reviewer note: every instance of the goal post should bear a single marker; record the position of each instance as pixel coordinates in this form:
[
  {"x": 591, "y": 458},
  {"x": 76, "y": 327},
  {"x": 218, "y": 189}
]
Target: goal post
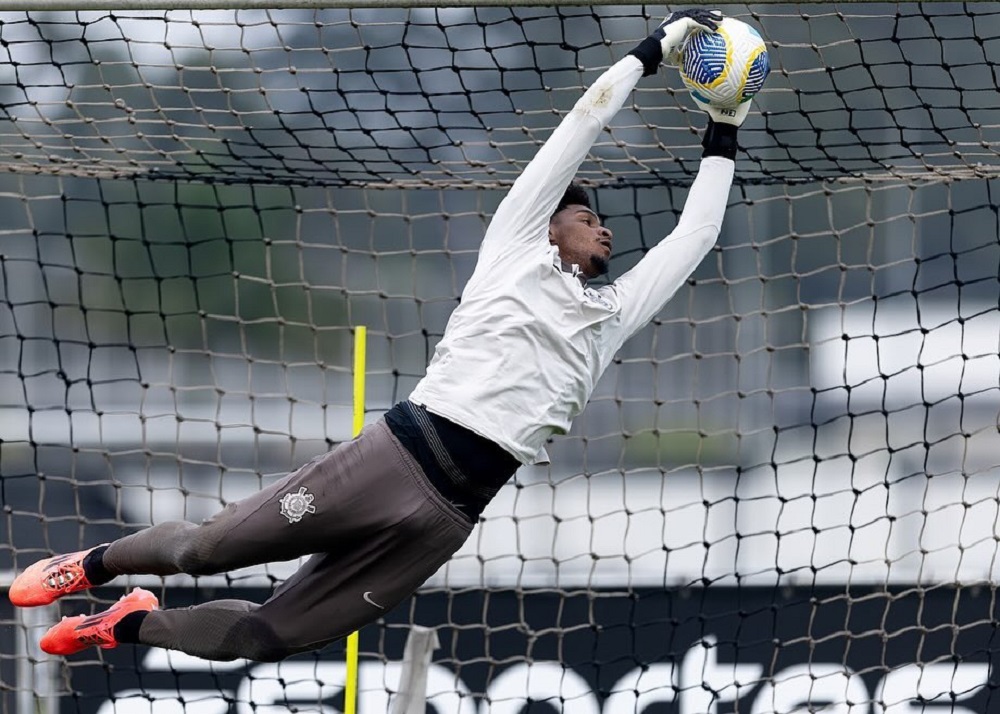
[{"x": 784, "y": 492}]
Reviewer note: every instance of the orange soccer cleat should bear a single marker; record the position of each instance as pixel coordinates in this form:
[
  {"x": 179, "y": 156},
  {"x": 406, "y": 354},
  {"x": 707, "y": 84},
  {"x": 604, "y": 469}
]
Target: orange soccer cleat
[
  {"x": 48, "y": 580},
  {"x": 74, "y": 634}
]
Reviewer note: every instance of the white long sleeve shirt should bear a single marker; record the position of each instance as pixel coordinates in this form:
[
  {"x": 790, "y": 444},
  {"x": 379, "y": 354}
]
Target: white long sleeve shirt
[{"x": 522, "y": 353}]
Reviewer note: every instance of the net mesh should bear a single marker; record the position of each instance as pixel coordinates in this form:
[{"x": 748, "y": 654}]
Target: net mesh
[
  {"x": 464, "y": 96},
  {"x": 783, "y": 493}
]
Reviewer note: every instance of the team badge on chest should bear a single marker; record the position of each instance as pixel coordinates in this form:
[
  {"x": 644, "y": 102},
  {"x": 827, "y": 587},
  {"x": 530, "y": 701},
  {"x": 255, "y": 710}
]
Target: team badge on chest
[
  {"x": 595, "y": 297},
  {"x": 295, "y": 505}
]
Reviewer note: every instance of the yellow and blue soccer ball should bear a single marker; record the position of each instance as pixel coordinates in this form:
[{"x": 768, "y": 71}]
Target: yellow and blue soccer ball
[{"x": 726, "y": 67}]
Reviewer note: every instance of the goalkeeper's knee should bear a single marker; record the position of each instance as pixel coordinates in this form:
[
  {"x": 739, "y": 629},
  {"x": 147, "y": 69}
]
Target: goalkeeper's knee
[{"x": 256, "y": 639}]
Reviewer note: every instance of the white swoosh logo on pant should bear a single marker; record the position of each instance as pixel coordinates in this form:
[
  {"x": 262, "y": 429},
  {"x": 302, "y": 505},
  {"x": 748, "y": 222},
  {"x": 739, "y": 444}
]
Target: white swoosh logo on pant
[{"x": 367, "y": 597}]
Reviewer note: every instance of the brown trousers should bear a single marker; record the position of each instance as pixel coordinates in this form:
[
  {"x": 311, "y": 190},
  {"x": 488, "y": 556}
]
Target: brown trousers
[{"x": 373, "y": 524}]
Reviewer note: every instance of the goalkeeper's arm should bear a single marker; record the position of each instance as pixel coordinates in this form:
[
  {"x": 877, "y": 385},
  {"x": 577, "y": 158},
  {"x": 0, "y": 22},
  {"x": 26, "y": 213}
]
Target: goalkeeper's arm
[
  {"x": 646, "y": 288},
  {"x": 524, "y": 214}
]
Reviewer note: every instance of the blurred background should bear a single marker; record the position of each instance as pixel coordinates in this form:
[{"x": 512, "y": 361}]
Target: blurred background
[{"x": 197, "y": 208}]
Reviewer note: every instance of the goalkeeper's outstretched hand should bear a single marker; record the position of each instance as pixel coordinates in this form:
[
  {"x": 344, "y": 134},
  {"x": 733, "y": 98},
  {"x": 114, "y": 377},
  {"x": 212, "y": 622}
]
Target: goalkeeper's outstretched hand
[
  {"x": 665, "y": 44},
  {"x": 724, "y": 115},
  {"x": 673, "y": 31}
]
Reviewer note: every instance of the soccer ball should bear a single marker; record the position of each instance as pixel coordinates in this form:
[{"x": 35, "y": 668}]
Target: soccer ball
[{"x": 726, "y": 67}]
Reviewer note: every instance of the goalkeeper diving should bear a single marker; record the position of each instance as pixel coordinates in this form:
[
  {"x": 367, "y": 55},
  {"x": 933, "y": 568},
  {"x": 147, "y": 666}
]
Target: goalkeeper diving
[{"x": 517, "y": 363}]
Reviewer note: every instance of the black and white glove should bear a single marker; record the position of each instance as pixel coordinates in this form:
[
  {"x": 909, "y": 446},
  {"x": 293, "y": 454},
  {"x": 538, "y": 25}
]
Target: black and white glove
[
  {"x": 724, "y": 115},
  {"x": 720, "y": 134},
  {"x": 665, "y": 44}
]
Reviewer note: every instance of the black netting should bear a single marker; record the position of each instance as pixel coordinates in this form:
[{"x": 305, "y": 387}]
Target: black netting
[{"x": 783, "y": 495}]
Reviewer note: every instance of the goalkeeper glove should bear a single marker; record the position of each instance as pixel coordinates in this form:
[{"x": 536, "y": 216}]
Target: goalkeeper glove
[
  {"x": 723, "y": 122},
  {"x": 724, "y": 115},
  {"x": 667, "y": 40}
]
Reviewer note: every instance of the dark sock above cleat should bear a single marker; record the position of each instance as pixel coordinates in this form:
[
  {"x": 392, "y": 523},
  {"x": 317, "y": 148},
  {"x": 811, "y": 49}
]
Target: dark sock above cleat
[
  {"x": 93, "y": 566},
  {"x": 127, "y": 629}
]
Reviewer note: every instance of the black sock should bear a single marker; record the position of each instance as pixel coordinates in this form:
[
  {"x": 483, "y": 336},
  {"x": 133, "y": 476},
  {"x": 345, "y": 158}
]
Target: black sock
[
  {"x": 127, "y": 629},
  {"x": 720, "y": 140},
  {"x": 93, "y": 566}
]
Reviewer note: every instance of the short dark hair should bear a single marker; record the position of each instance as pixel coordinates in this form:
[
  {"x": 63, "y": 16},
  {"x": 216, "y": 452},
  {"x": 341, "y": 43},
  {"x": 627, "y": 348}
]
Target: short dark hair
[{"x": 574, "y": 196}]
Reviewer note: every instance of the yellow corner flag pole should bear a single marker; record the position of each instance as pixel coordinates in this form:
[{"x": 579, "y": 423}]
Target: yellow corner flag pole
[{"x": 360, "y": 335}]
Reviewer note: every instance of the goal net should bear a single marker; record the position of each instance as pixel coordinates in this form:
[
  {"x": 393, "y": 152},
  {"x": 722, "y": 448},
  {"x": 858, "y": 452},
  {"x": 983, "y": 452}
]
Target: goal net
[{"x": 782, "y": 497}]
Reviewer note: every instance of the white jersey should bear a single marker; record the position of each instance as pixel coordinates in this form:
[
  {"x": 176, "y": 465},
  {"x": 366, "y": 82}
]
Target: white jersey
[{"x": 524, "y": 349}]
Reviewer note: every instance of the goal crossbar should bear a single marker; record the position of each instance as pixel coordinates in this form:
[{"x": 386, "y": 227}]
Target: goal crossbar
[{"x": 101, "y": 5}]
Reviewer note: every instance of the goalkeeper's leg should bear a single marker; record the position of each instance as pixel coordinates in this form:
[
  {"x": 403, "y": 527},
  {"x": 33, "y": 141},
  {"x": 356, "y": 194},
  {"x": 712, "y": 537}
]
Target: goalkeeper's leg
[
  {"x": 330, "y": 596},
  {"x": 332, "y": 500}
]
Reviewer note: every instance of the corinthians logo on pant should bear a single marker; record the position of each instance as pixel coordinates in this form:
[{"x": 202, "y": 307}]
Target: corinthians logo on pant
[{"x": 295, "y": 505}]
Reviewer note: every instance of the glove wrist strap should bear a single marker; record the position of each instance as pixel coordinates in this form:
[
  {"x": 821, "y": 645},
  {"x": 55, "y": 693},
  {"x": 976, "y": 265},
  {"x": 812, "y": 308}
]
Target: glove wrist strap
[
  {"x": 720, "y": 140},
  {"x": 650, "y": 53}
]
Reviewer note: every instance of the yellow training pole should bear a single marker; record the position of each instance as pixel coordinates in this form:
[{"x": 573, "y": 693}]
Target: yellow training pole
[{"x": 360, "y": 333}]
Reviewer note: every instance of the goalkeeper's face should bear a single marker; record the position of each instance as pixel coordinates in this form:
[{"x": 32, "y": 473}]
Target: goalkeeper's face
[{"x": 581, "y": 239}]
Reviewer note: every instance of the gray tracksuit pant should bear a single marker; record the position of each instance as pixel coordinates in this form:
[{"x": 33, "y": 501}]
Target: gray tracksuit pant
[{"x": 374, "y": 526}]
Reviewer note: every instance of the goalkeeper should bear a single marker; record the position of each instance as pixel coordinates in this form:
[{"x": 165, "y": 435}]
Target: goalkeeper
[{"x": 380, "y": 514}]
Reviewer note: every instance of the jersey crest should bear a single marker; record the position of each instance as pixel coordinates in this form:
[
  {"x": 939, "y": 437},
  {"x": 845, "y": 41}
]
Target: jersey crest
[
  {"x": 595, "y": 296},
  {"x": 295, "y": 505}
]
